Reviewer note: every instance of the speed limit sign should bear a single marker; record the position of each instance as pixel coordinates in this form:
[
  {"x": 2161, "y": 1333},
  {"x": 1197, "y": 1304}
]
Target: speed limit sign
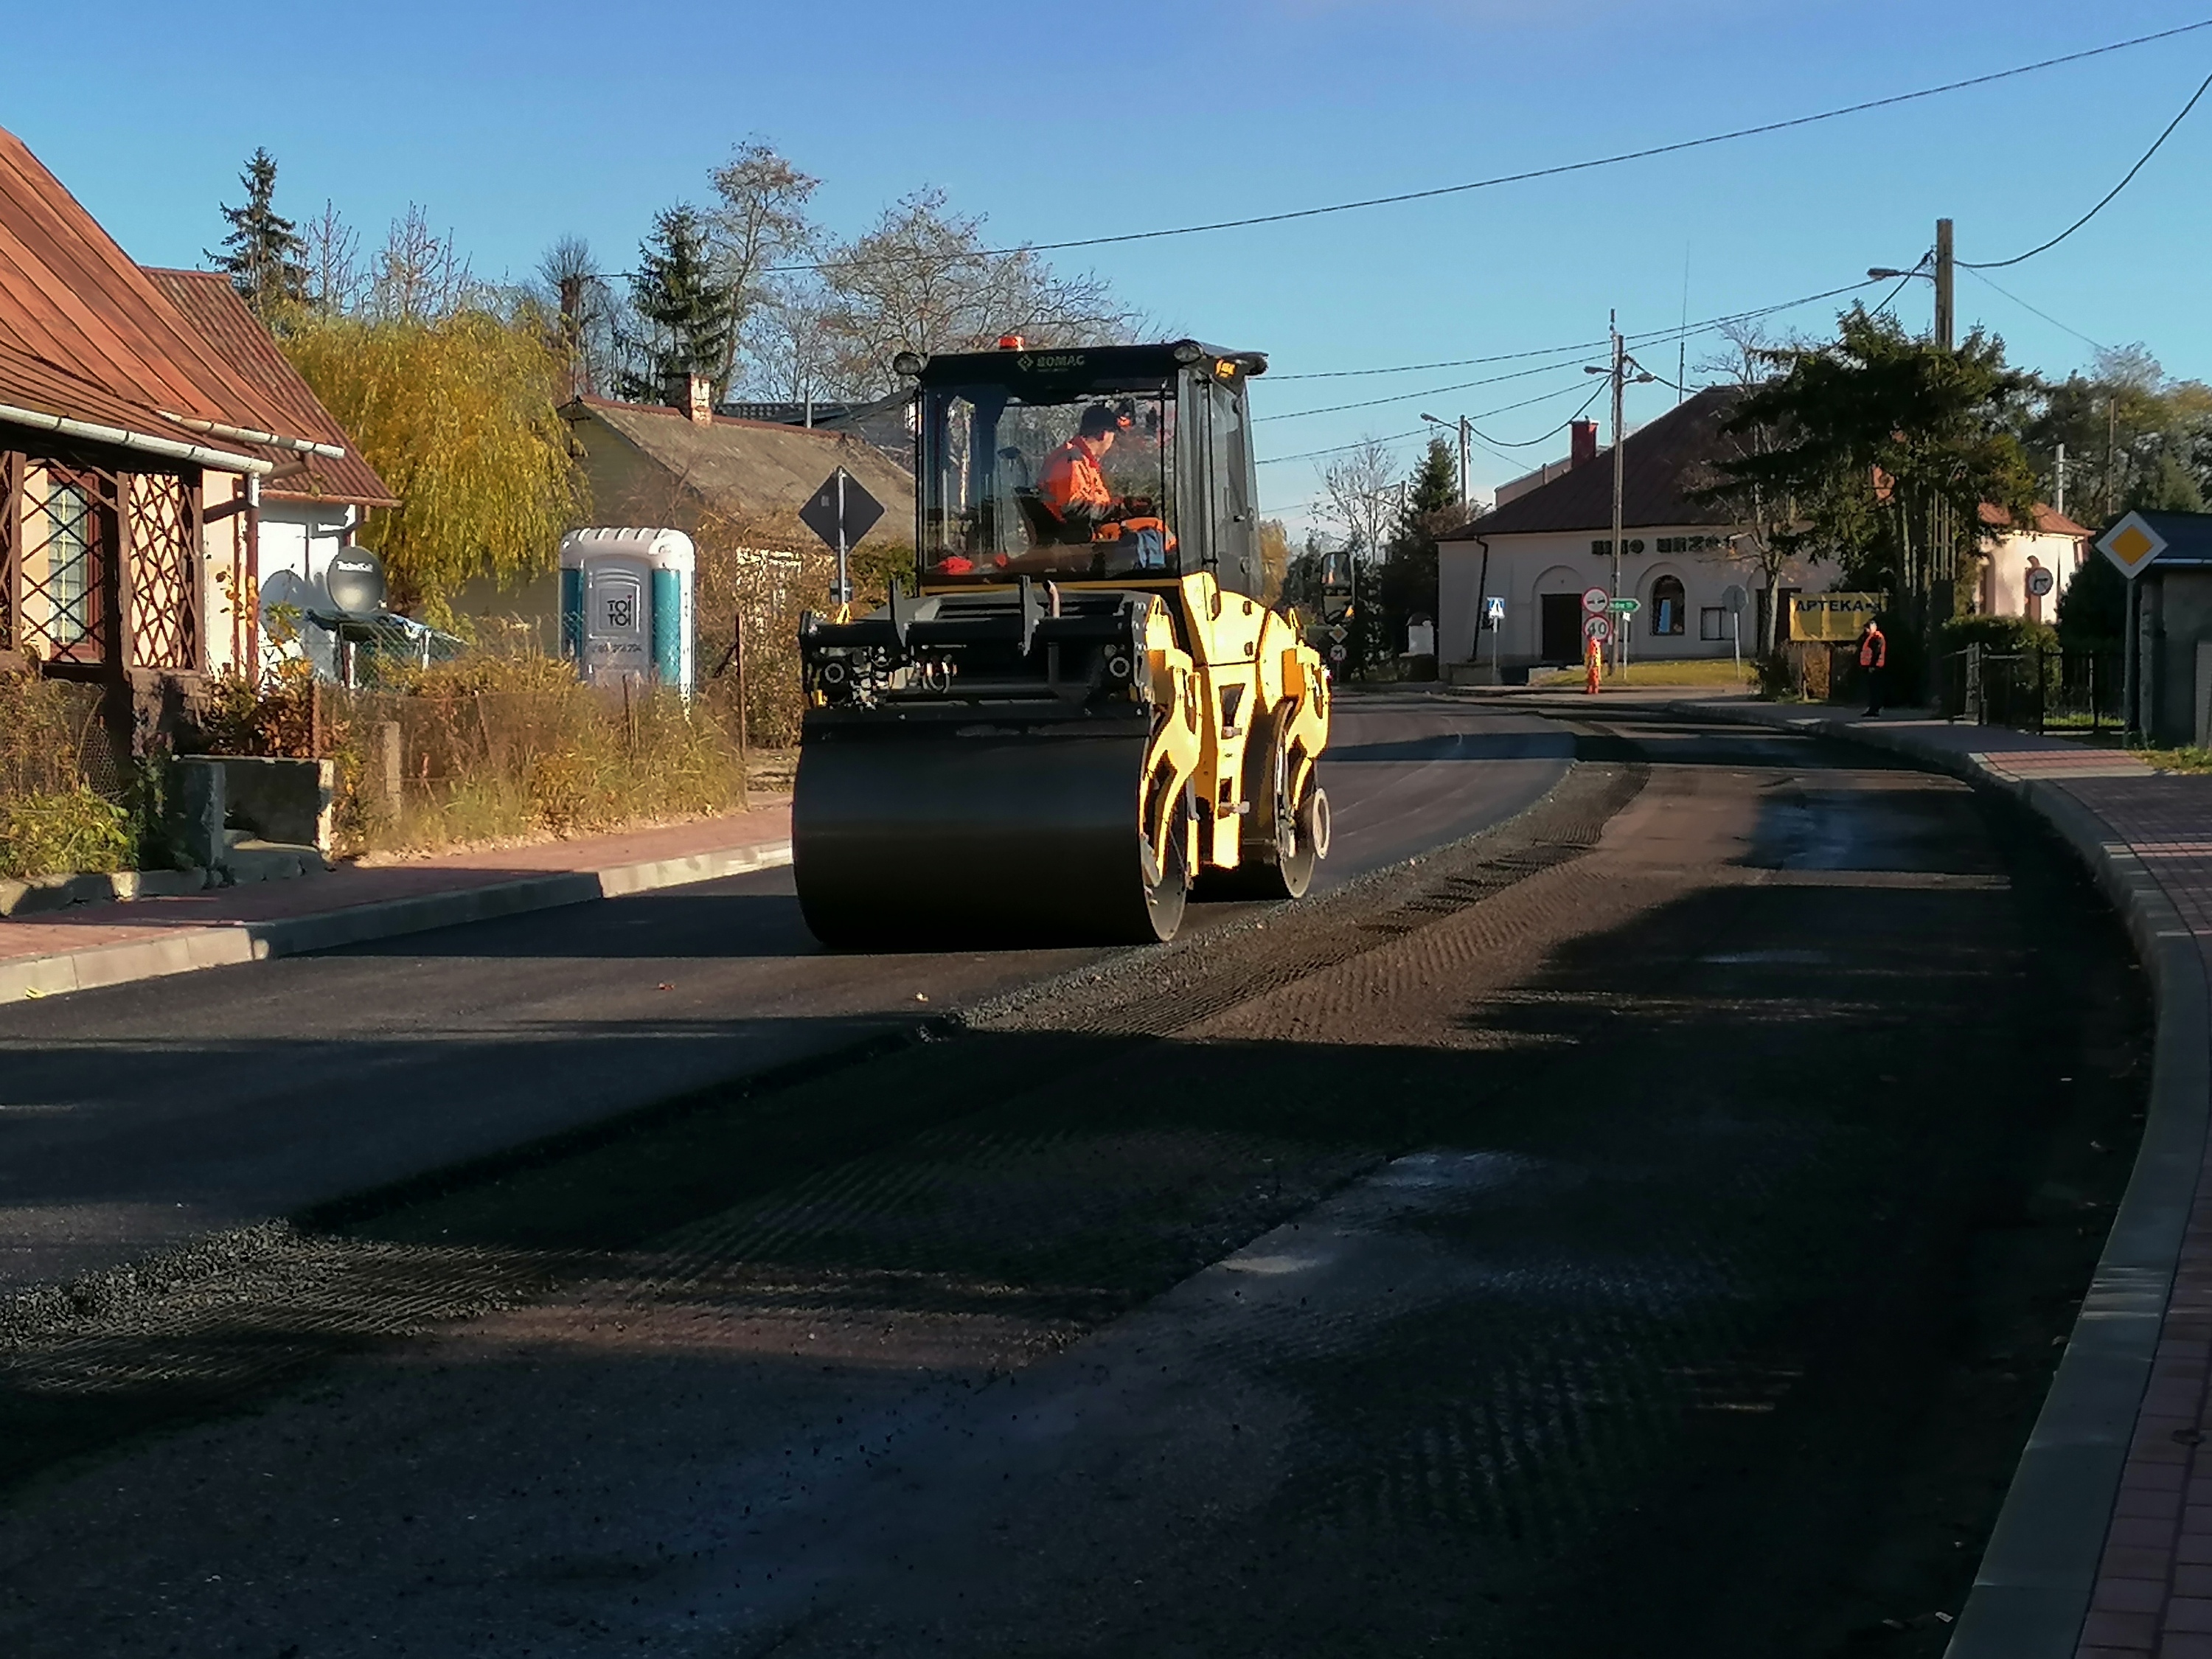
[{"x": 1597, "y": 628}]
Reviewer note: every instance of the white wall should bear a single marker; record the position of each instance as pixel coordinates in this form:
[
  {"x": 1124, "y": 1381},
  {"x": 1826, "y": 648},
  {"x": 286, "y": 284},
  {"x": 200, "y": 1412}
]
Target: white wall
[
  {"x": 2004, "y": 573},
  {"x": 1522, "y": 567}
]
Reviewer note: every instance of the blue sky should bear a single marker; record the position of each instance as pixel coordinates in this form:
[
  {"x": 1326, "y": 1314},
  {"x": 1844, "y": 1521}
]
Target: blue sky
[{"x": 514, "y": 123}]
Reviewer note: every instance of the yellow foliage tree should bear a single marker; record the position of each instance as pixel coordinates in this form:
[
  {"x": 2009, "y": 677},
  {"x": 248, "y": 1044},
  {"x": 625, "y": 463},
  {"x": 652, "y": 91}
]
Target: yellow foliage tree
[{"x": 459, "y": 415}]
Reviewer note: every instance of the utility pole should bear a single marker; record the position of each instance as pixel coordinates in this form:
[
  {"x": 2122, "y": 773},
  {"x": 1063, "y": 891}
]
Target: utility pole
[
  {"x": 1463, "y": 503},
  {"x": 1945, "y": 273},
  {"x": 1620, "y": 364},
  {"x": 2058, "y": 482}
]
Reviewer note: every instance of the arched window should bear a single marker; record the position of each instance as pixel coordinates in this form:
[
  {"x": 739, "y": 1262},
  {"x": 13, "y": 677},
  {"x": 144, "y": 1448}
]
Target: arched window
[{"x": 1667, "y": 601}]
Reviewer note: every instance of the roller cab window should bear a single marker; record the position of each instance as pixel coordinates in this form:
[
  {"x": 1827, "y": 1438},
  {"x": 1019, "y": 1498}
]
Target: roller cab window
[{"x": 1080, "y": 487}]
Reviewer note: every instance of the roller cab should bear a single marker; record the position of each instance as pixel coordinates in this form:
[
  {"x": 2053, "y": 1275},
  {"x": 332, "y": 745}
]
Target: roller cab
[{"x": 1085, "y": 711}]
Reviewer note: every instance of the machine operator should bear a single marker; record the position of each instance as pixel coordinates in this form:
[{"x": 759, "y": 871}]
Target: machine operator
[{"x": 1072, "y": 483}]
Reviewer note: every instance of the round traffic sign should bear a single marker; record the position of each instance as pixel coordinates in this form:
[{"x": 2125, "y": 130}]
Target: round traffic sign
[
  {"x": 2040, "y": 582},
  {"x": 1597, "y": 628},
  {"x": 1594, "y": 600},
  {"x": 1336, "y": 654}
]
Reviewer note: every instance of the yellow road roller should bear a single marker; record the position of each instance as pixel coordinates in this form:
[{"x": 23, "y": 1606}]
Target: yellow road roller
[{"x": 1086, "y": 710}]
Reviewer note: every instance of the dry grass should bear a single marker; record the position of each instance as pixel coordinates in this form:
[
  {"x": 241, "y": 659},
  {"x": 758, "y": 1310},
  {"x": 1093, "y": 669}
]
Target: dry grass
[
  {"x": 1699, "y": 670},
  {"x": 496, "y": 751}
]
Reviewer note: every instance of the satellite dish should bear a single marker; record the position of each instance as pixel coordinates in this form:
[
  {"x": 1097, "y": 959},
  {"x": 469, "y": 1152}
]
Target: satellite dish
[
  {"x": 355, "y": 581},
  {"x": 1735, "y": 598}
]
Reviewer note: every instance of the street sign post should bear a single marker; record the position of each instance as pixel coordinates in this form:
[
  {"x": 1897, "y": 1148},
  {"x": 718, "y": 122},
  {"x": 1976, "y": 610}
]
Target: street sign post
[
  {"x": 841, "y": 512},
  {"x": 1733, "y": 599},
  {"x": 2134, "y": 546},
  {"x": 2131, "y": 544}
]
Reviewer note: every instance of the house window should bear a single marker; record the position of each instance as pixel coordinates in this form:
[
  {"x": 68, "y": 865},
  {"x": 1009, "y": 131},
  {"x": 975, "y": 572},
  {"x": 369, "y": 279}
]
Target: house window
[
  {"x": 68, "y": 564},
  {"x": 1667, "y": 597},
  {"x": 1713, "y": 623}
]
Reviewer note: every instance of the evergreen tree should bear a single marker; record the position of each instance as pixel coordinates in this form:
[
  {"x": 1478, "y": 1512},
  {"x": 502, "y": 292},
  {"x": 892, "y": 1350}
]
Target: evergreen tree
[
  {"x": 1407, "y": 579},
  {"x": 264, "y": 252},
  {"x": 688, "y": 310}
]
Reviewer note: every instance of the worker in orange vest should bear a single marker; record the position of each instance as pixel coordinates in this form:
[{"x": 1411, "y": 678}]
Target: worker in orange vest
[
  {"x": 1874, "y": 658},
  {"x": 1072, "y": 483},
  {"x": 1593, "y": 664}
]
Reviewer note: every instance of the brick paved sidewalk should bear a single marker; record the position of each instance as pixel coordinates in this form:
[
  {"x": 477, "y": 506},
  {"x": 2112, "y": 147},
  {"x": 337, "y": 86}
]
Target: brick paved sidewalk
[
  {"x": 108, "y": 944},
  {"x": 2153, "y": 1593}
]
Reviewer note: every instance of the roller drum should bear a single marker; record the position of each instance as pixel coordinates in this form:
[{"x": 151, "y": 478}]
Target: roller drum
[{"x": 932, "y": 833}]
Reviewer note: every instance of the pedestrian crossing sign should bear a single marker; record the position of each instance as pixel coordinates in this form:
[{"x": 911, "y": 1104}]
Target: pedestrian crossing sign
[{"x": 2131, "y": 544}]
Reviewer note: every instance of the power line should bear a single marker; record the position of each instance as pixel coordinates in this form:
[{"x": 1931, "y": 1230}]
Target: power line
[
  {"x": 2126, "y": 179},
  {"x": 2063, "y": 327},
  {"x": 1400, "y": 437},
  {"x": 1654, "y": 337},
  {"x": 1411, "y": 397},
  {"x": 1553, "y": 172},
  {"x": 1530, "y": 443}
]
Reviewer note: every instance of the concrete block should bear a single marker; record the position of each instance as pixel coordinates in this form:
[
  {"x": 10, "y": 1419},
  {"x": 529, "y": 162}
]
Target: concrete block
[
  {"x": 196, "y": 815},
  {"x": 288, "y": 801}
]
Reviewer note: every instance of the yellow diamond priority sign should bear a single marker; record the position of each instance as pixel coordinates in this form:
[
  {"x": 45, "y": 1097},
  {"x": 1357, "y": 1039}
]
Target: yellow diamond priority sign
[{"x": 2131, "y": 544}]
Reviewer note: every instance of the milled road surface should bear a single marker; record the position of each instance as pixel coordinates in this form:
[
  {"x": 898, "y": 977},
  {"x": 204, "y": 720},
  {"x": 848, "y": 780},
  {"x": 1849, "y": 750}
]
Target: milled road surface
[
  {"x": 145, "y": 1116},
  {"x": 1646, "y": 1229}
]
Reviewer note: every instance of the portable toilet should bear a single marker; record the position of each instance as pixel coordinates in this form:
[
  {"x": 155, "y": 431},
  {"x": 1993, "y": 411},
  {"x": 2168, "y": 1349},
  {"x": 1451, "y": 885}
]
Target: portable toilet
[{"x": 626, "y": 607}]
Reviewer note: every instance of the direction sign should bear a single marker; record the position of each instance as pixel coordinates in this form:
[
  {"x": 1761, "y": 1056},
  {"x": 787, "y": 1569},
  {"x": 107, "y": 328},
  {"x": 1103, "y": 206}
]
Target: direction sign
[
  {"x": 2040, "y": 582},
  {"x": 1626, "y": 607},
  {"x": 2131, "y": 544},
  {"x": 1594, "y": 600},
  {"x": 841, "y": 512},
  {"x": 1596, "y": 627}
]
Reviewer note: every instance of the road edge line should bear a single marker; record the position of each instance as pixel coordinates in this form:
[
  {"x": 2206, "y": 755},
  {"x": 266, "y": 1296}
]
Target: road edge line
[
  {"x": 2032, "y": 1592},
  {"x": 228, "y": 943}
]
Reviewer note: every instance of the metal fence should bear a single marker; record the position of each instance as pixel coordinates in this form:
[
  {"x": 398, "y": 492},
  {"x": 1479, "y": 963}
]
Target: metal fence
[{"x": 2061, "y": 691}]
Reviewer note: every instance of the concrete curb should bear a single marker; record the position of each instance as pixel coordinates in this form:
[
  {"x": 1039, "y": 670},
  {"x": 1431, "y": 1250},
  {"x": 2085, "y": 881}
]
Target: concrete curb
[
  {"x": 219, "y": 946},
  {"x": 2031, "y": 1593}
]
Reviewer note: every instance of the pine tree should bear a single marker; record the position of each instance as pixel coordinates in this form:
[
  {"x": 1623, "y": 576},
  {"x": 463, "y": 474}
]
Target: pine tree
[
  {"x": 1408, "y": 581},
  {"x": 263, "y": 251},
  {"x": 676, "y": 291}
]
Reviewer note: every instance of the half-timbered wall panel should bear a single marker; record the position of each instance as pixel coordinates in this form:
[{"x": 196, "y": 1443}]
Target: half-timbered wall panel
[{"x": 164, "y": 541}]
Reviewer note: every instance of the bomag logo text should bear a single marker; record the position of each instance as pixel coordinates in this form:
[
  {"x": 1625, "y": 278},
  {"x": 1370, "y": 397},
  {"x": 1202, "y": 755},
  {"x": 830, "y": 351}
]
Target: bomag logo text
[{"x": 1051, "y": 359}]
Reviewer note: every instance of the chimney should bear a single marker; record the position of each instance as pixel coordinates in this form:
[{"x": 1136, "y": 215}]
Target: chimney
[
  {"x": 692, "y": 395},
  {"x": 1584, "y": 443}
]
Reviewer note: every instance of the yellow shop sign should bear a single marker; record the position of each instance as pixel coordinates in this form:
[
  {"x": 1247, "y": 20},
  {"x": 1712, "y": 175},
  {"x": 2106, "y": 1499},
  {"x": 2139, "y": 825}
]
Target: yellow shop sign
[{"x": 1833, "y": 616}]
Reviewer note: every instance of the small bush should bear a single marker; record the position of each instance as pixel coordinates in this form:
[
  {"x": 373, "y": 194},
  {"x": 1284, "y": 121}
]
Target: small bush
[
  {"x": 1998, "y": 635},
  {"x": 72, "y": 831}
]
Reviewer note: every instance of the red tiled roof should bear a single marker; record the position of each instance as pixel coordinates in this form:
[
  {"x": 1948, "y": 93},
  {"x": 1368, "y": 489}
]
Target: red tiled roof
[
  {"x": 206, "y": 300},
  {"x": 71, "y": 300},
  {"x": 2049, "y": 521},
  {"x": 1663, "y": 465}
]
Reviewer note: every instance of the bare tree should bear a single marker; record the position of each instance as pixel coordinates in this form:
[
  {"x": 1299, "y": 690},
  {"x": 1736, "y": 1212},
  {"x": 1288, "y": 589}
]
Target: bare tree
[
  {"x": 589, "y": 312},
  {"x": 1766, "y": 544},
  {"x": 333, "y": 257},
  {"x": 758, "y": 223},
  {"x": 1360, "y": 489},
  {"x": 417, "y": 275},
  {"x": 923, "y": 279}
]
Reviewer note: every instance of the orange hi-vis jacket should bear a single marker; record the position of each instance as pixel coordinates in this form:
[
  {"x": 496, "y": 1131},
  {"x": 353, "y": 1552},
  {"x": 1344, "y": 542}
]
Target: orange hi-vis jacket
[
  {"x": 1071, "y": 478},
  {"x": 1873, "y": 649}
]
